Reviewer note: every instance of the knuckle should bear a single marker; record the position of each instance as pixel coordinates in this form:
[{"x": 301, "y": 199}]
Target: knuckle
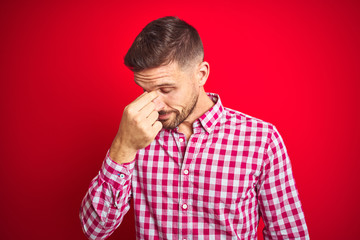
[
  {"x": 147, "y": 137},
  {"x": 128, "y": 109},
  {"x": 137, "y": 119},
  {"x": 143, "y": 128}
]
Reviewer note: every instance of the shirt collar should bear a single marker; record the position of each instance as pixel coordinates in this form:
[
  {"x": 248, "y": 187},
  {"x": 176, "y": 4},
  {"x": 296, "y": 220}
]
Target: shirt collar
[{"x": 209, "y": 119}]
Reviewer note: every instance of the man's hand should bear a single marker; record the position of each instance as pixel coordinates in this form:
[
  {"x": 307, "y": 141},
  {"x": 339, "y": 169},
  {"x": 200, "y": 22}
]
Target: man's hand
[{"x": 138, "y": 127}]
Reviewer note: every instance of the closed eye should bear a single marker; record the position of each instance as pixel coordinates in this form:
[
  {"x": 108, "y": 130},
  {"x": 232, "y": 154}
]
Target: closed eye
[{"x": 165, "y": 90}]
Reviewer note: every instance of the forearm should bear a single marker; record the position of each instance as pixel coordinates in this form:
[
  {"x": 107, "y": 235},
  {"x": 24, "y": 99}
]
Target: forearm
[{"x": 107, "y": 200}]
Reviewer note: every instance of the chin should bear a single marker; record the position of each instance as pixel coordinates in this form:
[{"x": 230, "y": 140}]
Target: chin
[{"x": 169, "y": 125}]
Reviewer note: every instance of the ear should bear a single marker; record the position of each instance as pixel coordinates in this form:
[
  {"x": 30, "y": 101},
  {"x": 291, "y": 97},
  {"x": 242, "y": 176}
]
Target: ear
[{"x": 203, "y": 72}]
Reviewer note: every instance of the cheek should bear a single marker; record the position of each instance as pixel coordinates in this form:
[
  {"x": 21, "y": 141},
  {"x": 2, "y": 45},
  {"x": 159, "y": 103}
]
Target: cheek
[{"x": 175, "y": 100}]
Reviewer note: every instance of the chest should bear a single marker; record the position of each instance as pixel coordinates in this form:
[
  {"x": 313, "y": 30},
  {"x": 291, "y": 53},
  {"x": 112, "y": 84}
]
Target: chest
[{"x": 205, "y": 167}]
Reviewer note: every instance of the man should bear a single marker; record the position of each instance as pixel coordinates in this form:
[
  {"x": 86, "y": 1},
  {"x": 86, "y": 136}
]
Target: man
[{"x": 194, "y": 169}]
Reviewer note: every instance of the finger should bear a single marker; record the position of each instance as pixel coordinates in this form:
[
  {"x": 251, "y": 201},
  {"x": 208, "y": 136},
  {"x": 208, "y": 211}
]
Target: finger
[
  {"x": 147, "y": 110},
  {"x": 152, "y": 117},
  {"x": 143, "y": 100},
  {"x": 140, "y": 96},
  {"x": 157, "y": 126}
]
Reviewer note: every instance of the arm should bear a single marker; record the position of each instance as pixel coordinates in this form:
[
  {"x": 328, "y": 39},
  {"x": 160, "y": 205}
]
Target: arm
[
  {"x": 278, "y": 198},
  {"x": 107, "y": 200}
]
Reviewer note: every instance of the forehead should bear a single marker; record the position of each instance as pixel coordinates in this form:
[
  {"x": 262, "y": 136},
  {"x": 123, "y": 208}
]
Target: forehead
[{"x": 167, "y": 74}]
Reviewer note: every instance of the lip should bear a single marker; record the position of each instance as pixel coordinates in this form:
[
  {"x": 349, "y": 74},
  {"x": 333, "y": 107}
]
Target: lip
[{"x": 164, "y": 117}]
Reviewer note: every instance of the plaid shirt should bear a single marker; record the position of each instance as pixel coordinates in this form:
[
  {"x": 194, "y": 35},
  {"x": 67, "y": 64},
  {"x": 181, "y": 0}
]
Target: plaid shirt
[{"x": 232, "y": 170}]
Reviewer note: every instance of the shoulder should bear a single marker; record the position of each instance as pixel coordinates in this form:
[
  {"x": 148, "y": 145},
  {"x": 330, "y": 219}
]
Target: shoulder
[
  {"x": 246, "y": 124},
  {"x": 232, "y": 116}
]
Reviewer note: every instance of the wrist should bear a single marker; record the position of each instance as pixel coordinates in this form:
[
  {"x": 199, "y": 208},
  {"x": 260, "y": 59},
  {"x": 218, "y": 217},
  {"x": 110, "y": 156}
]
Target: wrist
[{"x": 121, "y": 154}]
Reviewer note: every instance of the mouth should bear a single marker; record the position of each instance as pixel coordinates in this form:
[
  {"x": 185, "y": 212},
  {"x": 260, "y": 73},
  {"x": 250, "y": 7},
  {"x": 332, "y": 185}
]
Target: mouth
[{"x": 164, "y": 116}]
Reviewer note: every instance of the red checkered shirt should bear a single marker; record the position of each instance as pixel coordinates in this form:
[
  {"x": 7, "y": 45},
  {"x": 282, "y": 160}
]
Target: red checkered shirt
[{"x": 232, "y": 170}]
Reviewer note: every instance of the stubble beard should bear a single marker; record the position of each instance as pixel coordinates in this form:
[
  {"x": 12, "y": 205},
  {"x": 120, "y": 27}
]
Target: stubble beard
[{"x": 179, "y": 116}]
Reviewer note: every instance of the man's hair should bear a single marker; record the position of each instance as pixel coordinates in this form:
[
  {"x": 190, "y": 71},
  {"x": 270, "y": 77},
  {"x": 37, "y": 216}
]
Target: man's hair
[{"x": 163, "y": 41}]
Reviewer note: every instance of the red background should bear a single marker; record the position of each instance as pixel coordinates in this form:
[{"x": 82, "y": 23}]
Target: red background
[{"x": 63, "y": 88}]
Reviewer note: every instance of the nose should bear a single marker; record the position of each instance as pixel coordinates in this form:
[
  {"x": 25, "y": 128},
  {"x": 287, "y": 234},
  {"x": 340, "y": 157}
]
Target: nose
[{"x": 159, "y": 104}]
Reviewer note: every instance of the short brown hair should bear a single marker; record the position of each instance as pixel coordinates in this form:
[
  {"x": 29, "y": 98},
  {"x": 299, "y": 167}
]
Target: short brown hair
[{"x": 163, "y": 41}]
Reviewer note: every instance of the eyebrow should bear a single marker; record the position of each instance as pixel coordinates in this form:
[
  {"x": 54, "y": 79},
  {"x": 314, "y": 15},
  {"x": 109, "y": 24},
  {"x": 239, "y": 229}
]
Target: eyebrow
[
  {"x": 161, "y": 85},
  {"x": 165, "y": 85}
]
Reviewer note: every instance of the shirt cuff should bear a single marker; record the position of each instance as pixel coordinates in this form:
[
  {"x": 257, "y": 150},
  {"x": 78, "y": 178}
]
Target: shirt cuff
[{"x": 116, "y": 174}]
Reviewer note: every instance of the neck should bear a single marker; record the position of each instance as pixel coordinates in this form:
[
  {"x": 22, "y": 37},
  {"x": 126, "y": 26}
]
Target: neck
[{"x": 203, "y": 105}]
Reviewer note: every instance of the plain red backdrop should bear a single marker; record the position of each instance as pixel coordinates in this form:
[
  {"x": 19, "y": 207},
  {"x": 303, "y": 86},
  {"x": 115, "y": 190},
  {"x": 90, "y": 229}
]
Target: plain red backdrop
[{"x": 64, "y": 86}]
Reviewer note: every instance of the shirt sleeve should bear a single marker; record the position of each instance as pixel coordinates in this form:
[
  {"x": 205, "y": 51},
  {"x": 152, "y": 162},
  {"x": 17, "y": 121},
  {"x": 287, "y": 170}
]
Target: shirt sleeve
[
  {"x": 107, "y": 200},
  {"x": 278, "y": 198}
]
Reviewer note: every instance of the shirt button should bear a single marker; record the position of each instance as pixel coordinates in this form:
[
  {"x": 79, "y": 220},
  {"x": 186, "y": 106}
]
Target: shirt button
[
  {"x": 181, "y": 140},
  {"x": 186, "y": 172},
  {"x": 122, "y": 175},
  {"x": 184, "y": 206}
]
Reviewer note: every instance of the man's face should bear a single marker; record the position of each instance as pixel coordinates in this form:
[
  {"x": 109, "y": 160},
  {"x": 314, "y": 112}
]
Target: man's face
[{"x": 176, "y": 88}]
